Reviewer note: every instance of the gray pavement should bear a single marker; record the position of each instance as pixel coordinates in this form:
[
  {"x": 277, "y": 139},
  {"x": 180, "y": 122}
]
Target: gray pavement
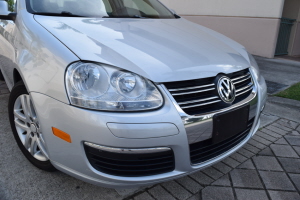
[
  {"x": 279, "y": 73},
  {"x": 268, "y": 167}
]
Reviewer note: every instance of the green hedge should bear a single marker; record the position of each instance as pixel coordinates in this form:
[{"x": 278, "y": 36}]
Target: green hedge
[{"x": 11, "y": 4}]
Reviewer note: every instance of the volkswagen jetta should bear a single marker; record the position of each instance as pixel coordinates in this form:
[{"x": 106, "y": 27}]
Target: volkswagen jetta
[{"x": 124, "y": 92}]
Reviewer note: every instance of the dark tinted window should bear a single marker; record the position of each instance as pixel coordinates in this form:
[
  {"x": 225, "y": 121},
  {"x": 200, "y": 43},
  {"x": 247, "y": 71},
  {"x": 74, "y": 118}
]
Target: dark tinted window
[{"x": 101, "y": 8}]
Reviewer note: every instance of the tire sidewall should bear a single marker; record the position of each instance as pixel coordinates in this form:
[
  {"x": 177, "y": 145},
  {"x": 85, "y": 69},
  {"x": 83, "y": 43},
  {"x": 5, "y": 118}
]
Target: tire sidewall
[{"x": 18, "y": 90}]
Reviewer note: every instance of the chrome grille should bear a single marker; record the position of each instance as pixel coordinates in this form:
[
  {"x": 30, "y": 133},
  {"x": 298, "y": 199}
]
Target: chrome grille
[{"x": 200, "y": 96}]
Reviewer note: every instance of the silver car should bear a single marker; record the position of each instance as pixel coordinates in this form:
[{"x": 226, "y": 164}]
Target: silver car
[{"x": 124, "y": 93}]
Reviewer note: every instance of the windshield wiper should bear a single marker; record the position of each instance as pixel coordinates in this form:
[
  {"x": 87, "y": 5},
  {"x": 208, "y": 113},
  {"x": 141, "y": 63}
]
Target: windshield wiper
[
  {"x": 134, "y": 16},
  {"x": 62, "y": 14}
]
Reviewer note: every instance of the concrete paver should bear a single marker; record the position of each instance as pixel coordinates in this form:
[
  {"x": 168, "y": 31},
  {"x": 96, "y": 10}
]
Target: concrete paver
[
  {"x": 213, "y": 173},
  {"x": 217, "y": 193},
  {"x": 231, "y": 162},
  {"x": 160, "y": 193},
  {"x": 284, "y": 151},
  {"x": 266, "y": 152},
  {"x": 143, "y": 196},
  {"x": 276, "y": 180},
  {"x": 293, "y": 140},
  {"x": 295, "y": 179},
  {"x": 297, "y": 149},
  {"x": 245, "y": 153},
  {"x": 223, "y": 181},
  {"x": 247, "y": 165},
  {"x": 201, "y": 178},
  {"x": 246, "y": 194},
  {"x": 222, "y": 167},
  {"x": 281, "y": 141},
  {"x": 290, "y": 165},
  {"x": 245, "y": 178},
  {"x": 176, "y": 190},
  {"x": 238, "y": 157},
  {"x": 282, "y": 195},
  {"x": 267, "y": 163},
  {"x": 189, "y": 184}
]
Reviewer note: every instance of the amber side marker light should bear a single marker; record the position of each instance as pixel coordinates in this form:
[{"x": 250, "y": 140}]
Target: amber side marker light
[{"x": 62, "y": 135}]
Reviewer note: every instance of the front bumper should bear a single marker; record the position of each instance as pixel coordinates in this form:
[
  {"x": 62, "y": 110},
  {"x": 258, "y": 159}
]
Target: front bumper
[{"x": 92, "y": 126}]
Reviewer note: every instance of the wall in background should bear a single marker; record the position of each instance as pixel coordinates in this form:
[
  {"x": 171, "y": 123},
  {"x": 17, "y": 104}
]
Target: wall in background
[
  {"x": 252, "y": 23},
  {"x": 291, "y": 10}
]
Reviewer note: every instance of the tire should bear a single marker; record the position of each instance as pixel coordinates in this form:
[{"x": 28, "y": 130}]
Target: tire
[
  {"x": 1, "y": 76},
  {"x": 26, "y": 128}
]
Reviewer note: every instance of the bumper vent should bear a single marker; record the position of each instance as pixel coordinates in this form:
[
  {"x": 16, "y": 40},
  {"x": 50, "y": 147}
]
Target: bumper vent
[
  {"x": 130, "y": 164},
  {"x": 200, "y": 96},
  {"x": 206, "y": 150}
]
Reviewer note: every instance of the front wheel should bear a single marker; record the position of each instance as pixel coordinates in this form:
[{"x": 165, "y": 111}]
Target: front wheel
[{"x": 26, "y": 128}]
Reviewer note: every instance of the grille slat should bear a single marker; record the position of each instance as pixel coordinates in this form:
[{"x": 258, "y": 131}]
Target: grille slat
[
  {"x": 191, "y": 88},
  {"x": 240, "y": 77},
  {"x": 202, "y": 104},
  {"x": 245, "y": 91},
  {"x": 196, "y": 101},
  {"x": 147, "y": 170},
  {"x": 206, "y": 100},
  {"x": 242, "y": 80},
  {"x": 205, "y": 150},
  {"x": 192, "y": 92},
  {"x": 130, "y": 164},
  {"x": 244, "y": 88}
]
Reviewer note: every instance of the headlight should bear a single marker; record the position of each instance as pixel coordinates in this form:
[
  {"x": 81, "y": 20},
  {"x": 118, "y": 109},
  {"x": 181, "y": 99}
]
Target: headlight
[
  {"x": 102, "y": 87},
  {"x": 254, "y": 67}
]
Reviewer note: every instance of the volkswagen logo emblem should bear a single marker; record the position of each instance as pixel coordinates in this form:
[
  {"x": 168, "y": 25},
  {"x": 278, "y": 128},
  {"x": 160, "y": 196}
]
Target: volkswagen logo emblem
[{"x": 226, "y": 89}]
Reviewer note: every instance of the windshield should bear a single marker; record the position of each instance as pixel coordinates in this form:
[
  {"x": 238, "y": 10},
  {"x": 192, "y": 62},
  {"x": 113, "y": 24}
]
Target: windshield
[{"x": 100, "y": 8}]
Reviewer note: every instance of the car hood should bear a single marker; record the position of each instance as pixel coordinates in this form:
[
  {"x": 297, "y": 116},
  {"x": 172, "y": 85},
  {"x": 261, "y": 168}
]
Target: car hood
[{"x": 161, "y": 50}]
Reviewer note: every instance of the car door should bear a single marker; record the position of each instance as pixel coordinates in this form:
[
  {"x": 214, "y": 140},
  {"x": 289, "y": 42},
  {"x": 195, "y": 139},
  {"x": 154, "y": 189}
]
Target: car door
[{"x": 7, "y": 47}]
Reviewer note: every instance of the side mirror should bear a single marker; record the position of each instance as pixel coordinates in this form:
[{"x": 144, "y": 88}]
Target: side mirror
[{"x": 4, "y": 13}]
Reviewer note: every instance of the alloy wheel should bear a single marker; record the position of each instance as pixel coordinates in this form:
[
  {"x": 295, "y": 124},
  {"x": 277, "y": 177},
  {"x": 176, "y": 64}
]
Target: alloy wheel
[{"x": 28, "y": 127}]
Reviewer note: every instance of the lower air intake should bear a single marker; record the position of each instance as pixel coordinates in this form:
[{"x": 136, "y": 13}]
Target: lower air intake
[{"x": 130, "y": 164}]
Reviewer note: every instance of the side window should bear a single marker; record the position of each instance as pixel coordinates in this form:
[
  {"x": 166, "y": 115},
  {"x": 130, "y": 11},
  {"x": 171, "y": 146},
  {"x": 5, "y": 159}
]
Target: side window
[{"x": 12, "y": 5}]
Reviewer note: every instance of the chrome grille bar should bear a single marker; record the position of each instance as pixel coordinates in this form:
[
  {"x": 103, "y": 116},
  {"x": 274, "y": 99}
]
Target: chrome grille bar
[
  {"x": 244, "y": 88},
  {"x": 198, "y": 91},
  {"x": 199, "y": 100},
  {"x": 191, "y": 88},
  {"x": 238, "y": 94},
  {"x": 240, "y": 77},
  {"x": 242, "y": 80},
  {"x": 202, "y": 104},
  {"x": 201, "y": 96}
]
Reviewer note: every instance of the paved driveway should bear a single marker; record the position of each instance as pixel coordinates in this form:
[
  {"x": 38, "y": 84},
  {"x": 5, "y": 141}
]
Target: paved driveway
[{"x": 268, "y": 167}]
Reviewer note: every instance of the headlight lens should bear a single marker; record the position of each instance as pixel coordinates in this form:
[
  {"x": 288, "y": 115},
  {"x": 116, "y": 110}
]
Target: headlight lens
[
  {"x": 100, "y": 87},
  {"x": 254, "y": 67}
]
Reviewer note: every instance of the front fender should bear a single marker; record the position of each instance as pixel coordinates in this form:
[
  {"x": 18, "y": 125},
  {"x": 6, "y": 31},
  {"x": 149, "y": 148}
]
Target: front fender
[{"x": 41, "y": 58}]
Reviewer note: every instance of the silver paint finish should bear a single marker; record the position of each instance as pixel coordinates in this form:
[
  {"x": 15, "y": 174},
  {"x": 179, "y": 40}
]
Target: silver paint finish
[
  {"x": 163, "y": 50},
  {"x": 35, "y": 53},
  {"x": 140, "y": 131},
  {"x": 93, "y": 129},
  {"x": 3, "y": 8}
]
